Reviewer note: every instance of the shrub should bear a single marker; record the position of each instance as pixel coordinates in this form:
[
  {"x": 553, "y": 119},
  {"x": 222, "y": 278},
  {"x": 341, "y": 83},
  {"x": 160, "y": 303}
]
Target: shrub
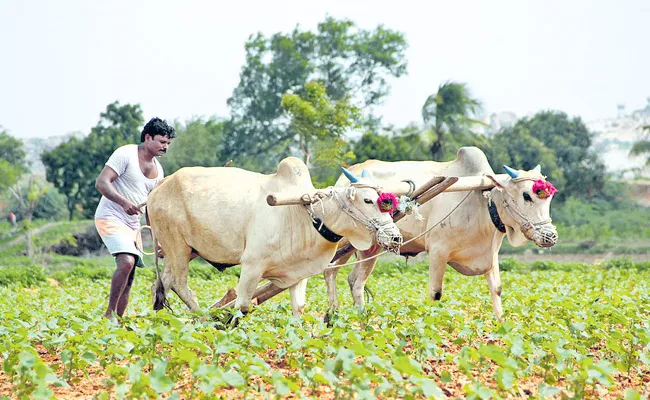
[{"x": 22, "y": 276}]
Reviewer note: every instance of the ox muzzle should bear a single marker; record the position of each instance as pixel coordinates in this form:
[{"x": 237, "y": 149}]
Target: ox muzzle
[
  {"x": 387, "y": 235},
  {"x": 543, "y": 236}
]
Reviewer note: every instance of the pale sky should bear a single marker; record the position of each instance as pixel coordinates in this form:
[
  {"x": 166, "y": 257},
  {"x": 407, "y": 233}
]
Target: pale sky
[{"x": 62, "y": 62}]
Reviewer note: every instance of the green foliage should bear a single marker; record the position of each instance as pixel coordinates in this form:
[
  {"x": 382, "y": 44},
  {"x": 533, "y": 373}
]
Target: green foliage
[
  {"x": 197, "y": 143},
  {"x": 321, "y": 124},
  {"x": 69, "y": 168},
  {"x": 344, "y": 58},
  {"x": 642, "y": 147},
  {"x": 51, "y": 206},
  {"x": 12, "y": 159},
  {"x": 600, "y": 221},
  {"x": 74, "y": 165},
  {"x": 579, "y": 171},
  {"x": 447, "y": 114},
  {"x": 22, "y": 276},
  {"x": 575, "y": 330},
  {"x": 405, "y": 144},
  {"x": 12, "y": 151},
  {"x": 519, "y": 149}
]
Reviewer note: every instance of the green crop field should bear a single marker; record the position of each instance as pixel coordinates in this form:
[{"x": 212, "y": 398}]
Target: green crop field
[{"x": 570, "y": 331}]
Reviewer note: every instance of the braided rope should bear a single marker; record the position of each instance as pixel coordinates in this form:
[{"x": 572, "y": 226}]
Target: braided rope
[{"x": 335, "y": 266}]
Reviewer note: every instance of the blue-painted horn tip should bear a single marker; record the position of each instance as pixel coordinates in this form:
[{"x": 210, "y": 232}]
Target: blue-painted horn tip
[
  {"x": 513, "y": 173},
  {"x": 350, "y": 175}
]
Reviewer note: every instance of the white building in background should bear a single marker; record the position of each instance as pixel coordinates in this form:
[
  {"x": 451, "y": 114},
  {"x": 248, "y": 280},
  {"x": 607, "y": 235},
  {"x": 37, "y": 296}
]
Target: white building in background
[{"x": 614, "y": 138}]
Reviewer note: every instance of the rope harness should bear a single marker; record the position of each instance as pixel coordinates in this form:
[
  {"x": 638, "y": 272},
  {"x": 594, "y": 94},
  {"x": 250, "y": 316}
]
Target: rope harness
[
  {"x": 540, "y": 232},
  {"x": 380, "y": 230},
  {"x": 336, "y": 266}
]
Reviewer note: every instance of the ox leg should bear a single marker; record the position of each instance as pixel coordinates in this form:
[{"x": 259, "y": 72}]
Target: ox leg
[
  {"x": 494, "y": 283},
  {"x": 298, "y": 293},
  {"x": 360, "y": 273},
  {"x": 330, "y": 282},
  {"x": 437, "y": 267},
  {"x": 176, "y": 272},
  {"x": 248, "y": 280}
]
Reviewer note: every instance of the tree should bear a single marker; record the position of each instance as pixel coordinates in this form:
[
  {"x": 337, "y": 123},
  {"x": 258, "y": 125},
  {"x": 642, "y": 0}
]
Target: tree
[
  {"x": 12, "y": 159},
  {"x": 69, "y": 169},
  {"x": 571, "y": 141},
  {"x": 642, "y": 147},
  {"x": 28, "y": 201},
  {"x": 345, "y": 59},
  {"x": 449, "y": 113},
  {"x": 74, "y": 165},
  {"x": 561, "y": 145},
  {"x": 197, "y": 142},
  {"x": 516, "y": 147},
  {"x": 11, "y": 150},
  {"x": 320, "y": 124},
  {"x": 405, "y": 144}
]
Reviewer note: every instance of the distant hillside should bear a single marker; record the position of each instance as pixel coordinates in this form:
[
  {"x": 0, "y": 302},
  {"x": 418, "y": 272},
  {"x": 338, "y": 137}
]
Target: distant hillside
[{"x": 35, "y": 146}]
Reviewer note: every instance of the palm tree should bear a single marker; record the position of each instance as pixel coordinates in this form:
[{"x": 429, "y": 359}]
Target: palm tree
[{"x": 450, "y": 111}]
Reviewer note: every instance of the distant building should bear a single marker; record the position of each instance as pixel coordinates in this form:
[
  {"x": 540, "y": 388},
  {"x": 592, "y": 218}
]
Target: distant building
[{"x": 614, "y": 137}]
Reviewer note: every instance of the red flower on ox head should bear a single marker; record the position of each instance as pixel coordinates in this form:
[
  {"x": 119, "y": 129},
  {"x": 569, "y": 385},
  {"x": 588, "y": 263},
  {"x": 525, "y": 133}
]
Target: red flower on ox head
[
  {"x": 543, "y": 189},
  {"x": 387, "y": 202}
]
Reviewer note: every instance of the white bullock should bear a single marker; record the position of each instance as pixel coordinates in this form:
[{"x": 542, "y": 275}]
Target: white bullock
[
  {"x": 222, "y": 215},
  {"x": 470, "y": 238}
]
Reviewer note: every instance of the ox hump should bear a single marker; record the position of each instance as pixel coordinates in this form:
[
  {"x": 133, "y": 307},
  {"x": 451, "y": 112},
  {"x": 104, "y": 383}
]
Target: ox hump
[
  {"x": 293, "y": 170},
  {"x": 473, "y": 161}
]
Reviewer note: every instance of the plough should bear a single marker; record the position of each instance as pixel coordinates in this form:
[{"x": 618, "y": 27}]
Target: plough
[{"x": 420, "y": 195}]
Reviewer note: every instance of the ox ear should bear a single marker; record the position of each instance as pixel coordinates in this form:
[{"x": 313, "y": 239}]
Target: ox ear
[
  {"x": 538, "y": 169},
  {"x": 497, "y": 184},
  {"x": 350, "y": 193}
]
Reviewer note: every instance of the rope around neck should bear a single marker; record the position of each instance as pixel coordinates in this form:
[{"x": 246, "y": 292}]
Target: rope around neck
[{"x": 335, "y": 266}]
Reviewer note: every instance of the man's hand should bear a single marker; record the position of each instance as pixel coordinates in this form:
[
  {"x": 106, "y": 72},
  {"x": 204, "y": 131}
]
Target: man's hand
[
  {"x": 161, "y": 252},
  {"x": 131, "y": 208}
]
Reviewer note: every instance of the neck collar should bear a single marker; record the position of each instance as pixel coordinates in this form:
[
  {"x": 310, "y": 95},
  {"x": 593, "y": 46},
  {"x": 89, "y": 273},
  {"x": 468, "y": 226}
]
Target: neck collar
[
  {"x": 494, "y": 216},
  {"x": 325, "y": 232}
]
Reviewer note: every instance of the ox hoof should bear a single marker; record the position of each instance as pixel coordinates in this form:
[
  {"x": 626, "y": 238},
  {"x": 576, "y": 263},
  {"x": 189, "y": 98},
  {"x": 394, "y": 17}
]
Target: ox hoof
[{"x": 437, "y": 296}]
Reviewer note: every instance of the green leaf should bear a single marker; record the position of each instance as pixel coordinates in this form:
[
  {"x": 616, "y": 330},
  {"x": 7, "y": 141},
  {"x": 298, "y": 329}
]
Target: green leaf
[
  {"x": 233, "y": 378},
  {"x": 407, "y": 366},
  {"x": 494, "y": 353}
]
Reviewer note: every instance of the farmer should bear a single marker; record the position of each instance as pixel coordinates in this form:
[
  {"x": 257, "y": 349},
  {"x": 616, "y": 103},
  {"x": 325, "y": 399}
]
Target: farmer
[
  {"x": 12, "y": 219},
  {"x": 130, "y": 174}
]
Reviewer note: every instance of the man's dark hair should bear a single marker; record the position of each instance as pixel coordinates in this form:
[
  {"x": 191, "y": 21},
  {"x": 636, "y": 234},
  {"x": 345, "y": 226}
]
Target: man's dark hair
[{"x": 157, "y": 126}]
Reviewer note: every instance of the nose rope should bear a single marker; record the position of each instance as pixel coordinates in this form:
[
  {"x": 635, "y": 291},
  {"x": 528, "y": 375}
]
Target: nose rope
[
  {"x": 390, "y": 241},
  {"x": 532, "y": 230},
  {"x": 336, "y": 266}
]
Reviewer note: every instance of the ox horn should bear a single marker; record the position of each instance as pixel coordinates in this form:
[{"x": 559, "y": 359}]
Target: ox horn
[
  {"x": 350, "y": 175},
  {"x": 538, "y": 169},
  {"x": 364, "y": 174},
  {"x": 513, "y": 173}
]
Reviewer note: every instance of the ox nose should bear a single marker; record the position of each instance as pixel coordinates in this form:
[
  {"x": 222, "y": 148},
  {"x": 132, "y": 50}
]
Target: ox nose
[{"x": 546, "y": 237}]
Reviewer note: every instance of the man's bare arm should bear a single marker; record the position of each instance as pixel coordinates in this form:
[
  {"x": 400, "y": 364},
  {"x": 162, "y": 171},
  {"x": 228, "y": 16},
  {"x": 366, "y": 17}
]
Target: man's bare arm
[{"x": 104, "y": 184}]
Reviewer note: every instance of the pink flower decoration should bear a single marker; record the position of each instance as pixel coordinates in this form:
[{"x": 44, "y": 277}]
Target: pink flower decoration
[
  {"x": 387, "y": 202},
  {"x": 543, "y": 189}
]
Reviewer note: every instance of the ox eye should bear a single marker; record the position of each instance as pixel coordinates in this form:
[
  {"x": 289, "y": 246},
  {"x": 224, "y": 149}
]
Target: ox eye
[
  {"x": 367, "y": 201},
  {"x": 527, "y": 197}
]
